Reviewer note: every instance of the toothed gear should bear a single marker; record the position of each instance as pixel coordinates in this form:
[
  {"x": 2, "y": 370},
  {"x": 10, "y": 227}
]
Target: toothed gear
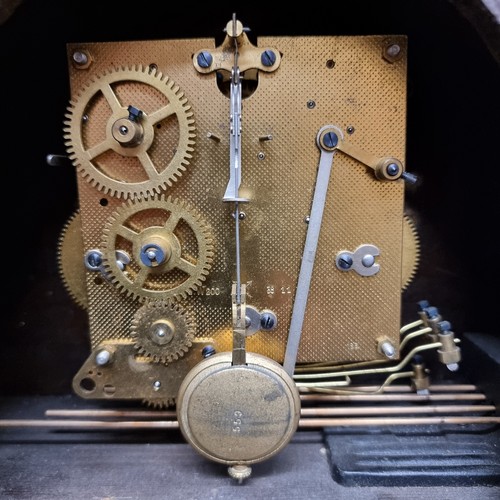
[
  {"x": 130, "y": 153},
  {"x": 162, "y": 332},
  {"x": 70, "y": 260},
  {"x": 159, "y": 404},
  {"x": 172, "y": 229},
  {"x": 411, "y": 252}
]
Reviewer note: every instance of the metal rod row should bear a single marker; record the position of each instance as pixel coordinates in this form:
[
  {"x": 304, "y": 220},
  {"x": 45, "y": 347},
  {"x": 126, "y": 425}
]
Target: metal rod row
[
  {"x": 380, "y": 411},
  {"x": 303, "y": 423},
  {"x": 392, "y": 397}
]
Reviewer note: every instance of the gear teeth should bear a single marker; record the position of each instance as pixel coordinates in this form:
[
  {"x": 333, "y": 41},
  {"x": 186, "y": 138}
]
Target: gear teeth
[
  {"x": 70, "y": 265},
  {"x": 183, "y": 328},
  {"x": 176, "y": 289},
  {"x": 411, "y": 252},
  {"x": 159, "y": 404},
  {"x": 119, "y": 187}
]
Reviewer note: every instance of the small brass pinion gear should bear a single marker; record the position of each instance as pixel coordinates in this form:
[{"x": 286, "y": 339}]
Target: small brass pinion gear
[
  {"x": 163, "y": 331},
  {"x": 130, "y": 132},
  {"x": 170, "y": 247},
  {"x": 70, "y": 260}
]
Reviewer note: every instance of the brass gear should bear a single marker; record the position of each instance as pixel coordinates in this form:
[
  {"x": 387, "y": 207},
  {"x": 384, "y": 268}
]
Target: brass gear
[
  {"x": 159, "y": 404},
  {"x": 411, "y": 252},
  {"x": 123, "y": 154},
  {"x": 70, "y": 260},
  {"x": 181, "y": 242},
  {"x": 162, "y": 331}
]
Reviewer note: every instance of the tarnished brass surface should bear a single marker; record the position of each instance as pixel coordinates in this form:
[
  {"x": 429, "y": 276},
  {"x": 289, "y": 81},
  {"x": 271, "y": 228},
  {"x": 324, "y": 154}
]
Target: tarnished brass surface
[
  {"x": 129, "y": 167},
  {"x": 360, "y": 89},
  {"x": 130, "y": 377},
  {"x": 72, "y": 269},
  {"x": 411, "y": 252},
  {"x": 250, "y": 57},
  {"x": 163, "y": 331},
  {"x": 186, "y": 242},
  {"x": 238, "y": 414},
  {"x": 70, "y": 260}
]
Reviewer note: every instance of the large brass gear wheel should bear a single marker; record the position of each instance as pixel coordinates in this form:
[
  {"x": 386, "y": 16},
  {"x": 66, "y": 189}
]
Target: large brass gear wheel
[
  {"x": 411, "y": 252},
  {"x": 163, "y": 332},
  {"x": 130, "y": 132},
  {"x": 70, "y": 260},
  {"x": 169, "y": 244}
]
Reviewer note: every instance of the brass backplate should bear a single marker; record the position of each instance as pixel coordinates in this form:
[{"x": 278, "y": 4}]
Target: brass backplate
[{"x": 342, "y": 81}]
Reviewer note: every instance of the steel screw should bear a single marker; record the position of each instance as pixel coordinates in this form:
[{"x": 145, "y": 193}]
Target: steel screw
[
  {"x": 134, "y": 114},
  {"x": 268, "y": 58},
  {"x": 344, "y": 261},
  {"x": 330, "y": 140},
  {"x": 444, "y": 326},
  {"x": 103, "y": 357},
  {"x": 80, "y": 58},
  {"x": 422, "y": 305},
  {"x": 204, "y": 59},
  {"x": 393, "y": 50},
  {"x": 93, "y": 260},
  {"x": 208, "y": 350},
  {"x": 268, "y": 320},
  {"x": 388, "y": 349},
  {"x": 431, "y": 312}
]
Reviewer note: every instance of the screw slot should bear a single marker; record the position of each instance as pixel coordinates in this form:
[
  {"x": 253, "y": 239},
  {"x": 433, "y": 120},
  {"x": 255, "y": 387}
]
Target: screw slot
[
  {"x": 268, "y": 58},
  {"x": 204, "y": 59},
  {"x": 330, "y": 140},
  {"x": 344, "y": 262},
  {"x": 268, "y": 320}
]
